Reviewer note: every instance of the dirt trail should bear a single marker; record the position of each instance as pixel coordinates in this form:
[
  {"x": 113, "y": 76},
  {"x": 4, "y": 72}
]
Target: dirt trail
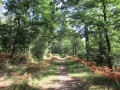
[{"x": 66, "y": 82}]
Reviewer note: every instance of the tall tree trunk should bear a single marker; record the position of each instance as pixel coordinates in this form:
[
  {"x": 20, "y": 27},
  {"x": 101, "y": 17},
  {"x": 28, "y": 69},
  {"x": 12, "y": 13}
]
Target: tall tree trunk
[
  {"x": 73, "y": 47},
  {"x": 101, "y": 51},
  {"x": 106, "y": 36},
  {"x": 11, "y": 17},
  {"x": 13, "y": 50},
  {"x": 30, "y": 48},
  {"x": 15, "y": 40},
  {"x": 87, "y": 42}
]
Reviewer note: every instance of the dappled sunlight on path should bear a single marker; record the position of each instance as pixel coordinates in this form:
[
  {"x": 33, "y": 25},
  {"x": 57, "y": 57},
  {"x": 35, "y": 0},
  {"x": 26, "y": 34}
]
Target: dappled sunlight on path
[{"x": 66, "y": 82}]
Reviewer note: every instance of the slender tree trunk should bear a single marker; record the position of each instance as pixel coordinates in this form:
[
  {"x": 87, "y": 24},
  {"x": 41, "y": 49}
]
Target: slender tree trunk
[
  {"x": 106, "y": 36},
  {"x": 100, "y": 58},
  {"x": 30, "y": 48},
  {"x": 7, "y": 47},
  {"x": 11, "y": 17},
  {"x": 87, "y": 42},
  {"x": 75, "y": 47},
  {"x": 15, "y": 40},
  {"x": 13, "y": 50},
  {"x": 10, "y": 21}
]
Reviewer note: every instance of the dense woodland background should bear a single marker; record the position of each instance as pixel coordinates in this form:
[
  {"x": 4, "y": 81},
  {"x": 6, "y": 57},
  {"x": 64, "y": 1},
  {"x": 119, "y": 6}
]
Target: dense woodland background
[{"x": 88, "y": 29}]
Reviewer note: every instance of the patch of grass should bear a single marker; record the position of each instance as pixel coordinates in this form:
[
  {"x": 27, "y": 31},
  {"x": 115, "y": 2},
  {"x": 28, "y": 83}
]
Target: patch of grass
[
  {"x": 84, "y": 74},
  {"x": 48, "y": 83},
  {"x": 49, "y": 76},
  {"x": 75, "y": 67},
  {"x": 51, "y": 70}
]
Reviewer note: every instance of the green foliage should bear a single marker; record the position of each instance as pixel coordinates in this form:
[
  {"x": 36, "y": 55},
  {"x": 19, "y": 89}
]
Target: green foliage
[
  {"x": 40, "y": 47},
  {"x": 25, "y": 23},
  {"x": 94, "y": 19},
  {"x": 22, "y": 86}
]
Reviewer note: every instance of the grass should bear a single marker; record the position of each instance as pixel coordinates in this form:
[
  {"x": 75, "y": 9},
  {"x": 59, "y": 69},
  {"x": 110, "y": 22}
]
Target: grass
[
  {"x": 87, "y": 79},
  {"x": 51, "y": 70},
  {"x": 49, "y": 78}
]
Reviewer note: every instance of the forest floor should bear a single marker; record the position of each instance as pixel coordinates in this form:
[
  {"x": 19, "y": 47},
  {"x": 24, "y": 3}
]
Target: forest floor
[{"x": 64, "y": 74}]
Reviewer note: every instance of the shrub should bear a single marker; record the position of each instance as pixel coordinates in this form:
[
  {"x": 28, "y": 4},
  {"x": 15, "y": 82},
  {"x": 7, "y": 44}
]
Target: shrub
[
  {"x": 21, "y": 83},
  {"x": 63, "y": 55},
  {"x": 48, "y": 55},
  {"x": 53, "y": 59},
  {"x": 35, "y": 68},
  {"x": 21, "y": 58},
  {"x": 14, "y": 73},
  {"x": 4, "y": 58}
]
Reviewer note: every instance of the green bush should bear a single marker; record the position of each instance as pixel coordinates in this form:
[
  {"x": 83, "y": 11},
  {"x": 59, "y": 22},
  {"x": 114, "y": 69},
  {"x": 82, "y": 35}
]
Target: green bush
[
  {"x": 63, "y": 55},
  {"x": 81, "y": 55},
  {"x": 22, "y": 86}
]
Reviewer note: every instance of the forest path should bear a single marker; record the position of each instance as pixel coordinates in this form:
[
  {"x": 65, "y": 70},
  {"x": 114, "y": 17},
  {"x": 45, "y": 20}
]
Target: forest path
[{"x": 66, "y": 82}]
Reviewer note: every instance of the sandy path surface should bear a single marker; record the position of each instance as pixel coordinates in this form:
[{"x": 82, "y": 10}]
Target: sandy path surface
[{"x": 66, "y": 82}]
